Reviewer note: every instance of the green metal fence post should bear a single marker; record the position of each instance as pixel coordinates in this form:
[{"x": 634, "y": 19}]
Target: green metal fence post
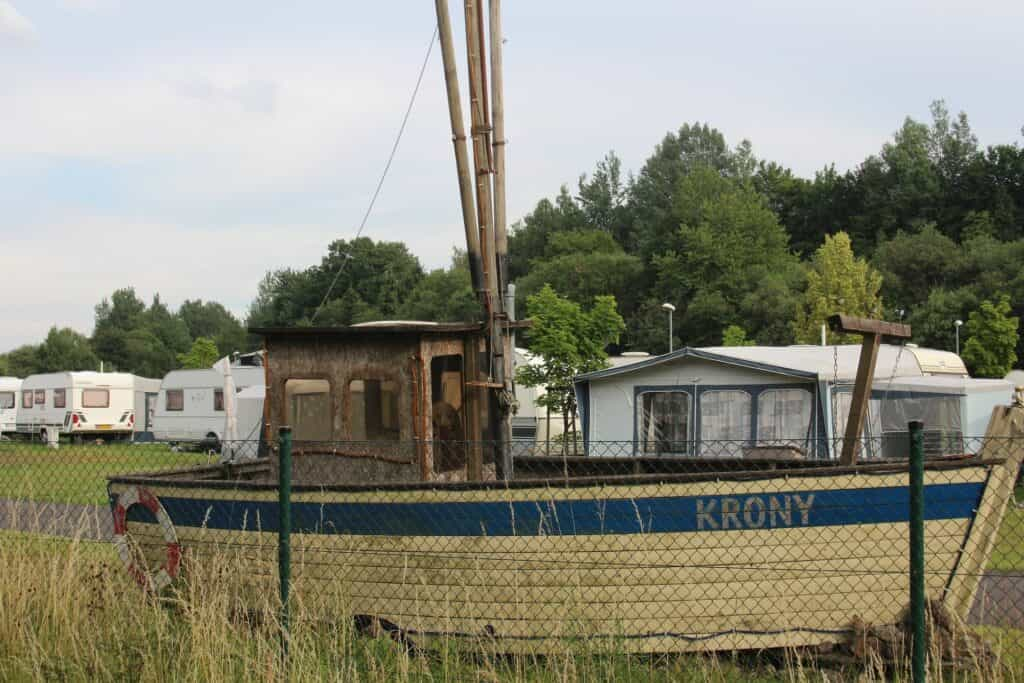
[
  {"x": 917, "y": 596},
  {"x": 284, "y": 533}
]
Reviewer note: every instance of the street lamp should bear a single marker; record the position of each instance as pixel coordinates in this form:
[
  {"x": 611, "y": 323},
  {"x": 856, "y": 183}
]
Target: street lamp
[
  {"x": 957, "y": 324},
  {"x": 669, "y": 307}
]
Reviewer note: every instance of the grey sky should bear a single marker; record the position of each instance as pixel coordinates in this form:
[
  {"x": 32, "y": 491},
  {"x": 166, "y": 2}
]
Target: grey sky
[{"x": 186, "y": 148}]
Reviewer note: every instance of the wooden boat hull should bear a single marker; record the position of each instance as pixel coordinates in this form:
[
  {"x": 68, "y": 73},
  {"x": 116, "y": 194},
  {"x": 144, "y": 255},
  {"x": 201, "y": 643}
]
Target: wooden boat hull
[{"x": 758, "y": 561}]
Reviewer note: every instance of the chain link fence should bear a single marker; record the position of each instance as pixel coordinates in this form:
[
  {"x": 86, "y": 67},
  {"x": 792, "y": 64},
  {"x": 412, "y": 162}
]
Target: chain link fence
[{"x": 697, "y": 546}]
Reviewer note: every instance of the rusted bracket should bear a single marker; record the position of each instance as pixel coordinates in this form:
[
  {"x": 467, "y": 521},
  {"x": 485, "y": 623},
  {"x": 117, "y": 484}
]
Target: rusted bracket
[{"x": 872, "y": 331}]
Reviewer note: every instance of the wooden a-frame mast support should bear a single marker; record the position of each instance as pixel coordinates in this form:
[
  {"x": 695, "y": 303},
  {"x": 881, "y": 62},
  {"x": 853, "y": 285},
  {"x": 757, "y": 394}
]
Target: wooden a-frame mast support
[{"x": 872, "y": 332}]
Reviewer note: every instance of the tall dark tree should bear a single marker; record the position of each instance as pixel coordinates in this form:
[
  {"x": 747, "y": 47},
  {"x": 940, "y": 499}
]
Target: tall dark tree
[{"x": 66, "y": 350}]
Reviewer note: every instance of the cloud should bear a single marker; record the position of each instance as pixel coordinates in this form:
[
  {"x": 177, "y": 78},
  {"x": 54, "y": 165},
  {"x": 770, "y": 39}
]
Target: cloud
[
  {"x": 14, "y": 25},
  {"x": 255, "y": 96}
]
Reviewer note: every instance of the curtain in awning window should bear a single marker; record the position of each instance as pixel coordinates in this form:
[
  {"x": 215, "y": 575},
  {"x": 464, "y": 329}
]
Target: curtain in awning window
[
  {"x": 664, "y": 422},
  {"x": 784, "y": 416},
  {"x": 724, "y": 423}
]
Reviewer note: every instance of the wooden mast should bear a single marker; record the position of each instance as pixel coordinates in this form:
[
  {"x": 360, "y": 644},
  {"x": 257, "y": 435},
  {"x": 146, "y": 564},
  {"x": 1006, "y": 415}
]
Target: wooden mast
[
  {"x": 451, "y": 81},
  {"x": 481, "y": 128},
  {"x": 498, "y": 145}
]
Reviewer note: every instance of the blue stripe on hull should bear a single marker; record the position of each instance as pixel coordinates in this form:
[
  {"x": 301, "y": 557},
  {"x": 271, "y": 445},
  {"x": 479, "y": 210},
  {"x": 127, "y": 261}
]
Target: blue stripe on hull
[{"x": 673, "y": 514}]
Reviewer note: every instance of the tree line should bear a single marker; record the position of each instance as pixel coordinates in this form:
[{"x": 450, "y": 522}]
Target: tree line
[
  {"x": 130, "y": 336},
  {"x": 928, "y": 230}
]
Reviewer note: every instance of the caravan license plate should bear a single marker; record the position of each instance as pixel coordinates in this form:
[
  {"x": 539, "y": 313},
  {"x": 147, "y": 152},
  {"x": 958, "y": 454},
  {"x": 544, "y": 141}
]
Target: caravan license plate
[{"x": 104, "y": 426}]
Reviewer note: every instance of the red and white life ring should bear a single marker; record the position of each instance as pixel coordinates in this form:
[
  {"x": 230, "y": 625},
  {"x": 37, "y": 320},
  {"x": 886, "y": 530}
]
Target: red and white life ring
[{"x": 166, "y": 574}]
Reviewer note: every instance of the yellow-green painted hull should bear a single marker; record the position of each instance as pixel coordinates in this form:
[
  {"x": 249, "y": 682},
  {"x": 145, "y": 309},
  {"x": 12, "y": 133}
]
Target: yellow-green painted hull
[{"x": 714, "y": 582}]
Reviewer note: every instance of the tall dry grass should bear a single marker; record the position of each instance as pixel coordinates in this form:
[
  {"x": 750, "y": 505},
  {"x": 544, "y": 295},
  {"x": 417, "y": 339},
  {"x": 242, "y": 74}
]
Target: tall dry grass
[{"x": 69, "y": 612}]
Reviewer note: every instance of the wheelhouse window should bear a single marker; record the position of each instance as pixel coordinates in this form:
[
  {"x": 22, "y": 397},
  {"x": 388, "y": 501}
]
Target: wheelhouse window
[
  {"x": 40, "y": 397},
  {"x": 26, "y": 399},
  {"x": 95, "y": 398},
  {"x": 664, "y": 423},
  {"x": 308, "y": 403},
  {"x": 374, "y": 406},
  {"x": 174, "y": 400},
  {"x": 724, "y": 423},
  {"x": 218, "y": 399},
  {"x": 6, "y": 400},
  {"x": 784, "y": 417},
  {"x": 60, "y": 398}
]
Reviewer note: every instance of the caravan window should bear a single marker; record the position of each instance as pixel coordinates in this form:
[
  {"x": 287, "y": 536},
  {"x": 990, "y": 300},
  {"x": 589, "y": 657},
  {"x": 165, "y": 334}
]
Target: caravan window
[
  {"x": 309, "y": 412},
  {"x": 59, "y": 398},
  {"x": 783, "y": 416},
  {"x": 95, "y": 398},
  {"x": 26, "y": 399},
  {"x": 174, "y": 400},
  {"x": 40, "y": 397},
  {"x": 6, "y": 400},
  {"x": 664, "y": 422},
  {"x": 374, "y": 406},
  {"x": 218, "y": 399}
]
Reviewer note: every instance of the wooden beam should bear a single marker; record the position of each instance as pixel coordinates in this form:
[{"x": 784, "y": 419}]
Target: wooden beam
[
  {"x": 861, "y": 397},
  {"x": 472, "y": 401},
  {"x": 840, "y": 322}
]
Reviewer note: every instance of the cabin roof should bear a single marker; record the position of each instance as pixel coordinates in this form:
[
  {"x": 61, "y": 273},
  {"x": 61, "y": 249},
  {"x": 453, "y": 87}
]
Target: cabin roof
[
  {"x": 392, "y": 327},
  {"x": 811, "y": 362}
]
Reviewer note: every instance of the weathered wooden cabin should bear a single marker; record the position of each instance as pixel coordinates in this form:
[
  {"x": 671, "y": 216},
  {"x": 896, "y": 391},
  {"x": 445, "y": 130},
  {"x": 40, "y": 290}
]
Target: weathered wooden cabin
[{"x": 388, "y": 401}]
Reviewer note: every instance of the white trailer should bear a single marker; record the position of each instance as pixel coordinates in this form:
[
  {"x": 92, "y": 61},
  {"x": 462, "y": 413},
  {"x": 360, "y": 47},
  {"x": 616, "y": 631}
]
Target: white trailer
[
  {"x": 77, "y": 404},
  {"x": 190, "y": 406},
  {"x": 9, "y": 388}
]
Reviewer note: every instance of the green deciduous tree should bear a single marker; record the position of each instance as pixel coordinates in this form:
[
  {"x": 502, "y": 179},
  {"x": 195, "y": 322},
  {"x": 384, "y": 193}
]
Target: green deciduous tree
[
  {"x": 728, "y": 263},
  {"x": 568, "y": 341},
  {"x": 23, "y": 361},
  {"x": 356, "y": 279},
  {"x": 66, "y": 350},
  {"x": 582, "y": 264},
  {"x": 990, "y": 349},
  {"x": 837, "y": 282},
  {"x": 444, "y": 295},
  {"x": 211, "y": 320},
  {"x": 734, "y": 335},
  {"x": 203, "y": 354}
]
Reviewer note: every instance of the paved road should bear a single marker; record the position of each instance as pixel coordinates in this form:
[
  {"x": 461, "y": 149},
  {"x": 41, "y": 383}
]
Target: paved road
[
  {"x": 1000, "y": 600},
  {"x": 58, "y": 519}
]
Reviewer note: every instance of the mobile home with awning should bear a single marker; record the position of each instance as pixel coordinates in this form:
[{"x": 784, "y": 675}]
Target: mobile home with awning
[{"x": 758, "y": 400}]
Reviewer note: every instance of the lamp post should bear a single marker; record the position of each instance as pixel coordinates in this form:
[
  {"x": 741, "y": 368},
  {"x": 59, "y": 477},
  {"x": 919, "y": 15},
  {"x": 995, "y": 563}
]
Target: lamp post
[
  {"x": 957, "y": 324},
  {"x": 669, "y": 307}
]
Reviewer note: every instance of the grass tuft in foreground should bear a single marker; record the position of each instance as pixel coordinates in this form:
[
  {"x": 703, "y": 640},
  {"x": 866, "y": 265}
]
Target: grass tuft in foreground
[{"x": 69, "y": 612}]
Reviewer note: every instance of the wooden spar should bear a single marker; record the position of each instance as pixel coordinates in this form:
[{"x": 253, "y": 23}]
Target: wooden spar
[
  {"x": 872, "y": 331},
  {"x": 451, "y": 81},
  {"x": 479, "y": 118},
  {"x": 498, "y": 144},
  {"x": 479, "y": 130}
]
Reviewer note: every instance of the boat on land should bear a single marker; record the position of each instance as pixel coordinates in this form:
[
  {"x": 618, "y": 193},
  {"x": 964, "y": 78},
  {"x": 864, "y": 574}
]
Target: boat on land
[
  {"x": 422, "y": 534},
  {"x": 411, "y": 510}
]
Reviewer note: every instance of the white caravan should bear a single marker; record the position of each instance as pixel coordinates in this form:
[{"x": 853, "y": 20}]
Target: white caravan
[
  {"x": 9, "y": 388},
  {"x": 79, "y": 404},
  {"x": 191, "y": 405}
]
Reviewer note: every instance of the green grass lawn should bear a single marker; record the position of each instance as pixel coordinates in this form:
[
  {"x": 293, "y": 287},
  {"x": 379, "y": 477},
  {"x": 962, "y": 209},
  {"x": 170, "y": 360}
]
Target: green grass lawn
[
  {"x": 1008, "y": 554},
  {"x": 78, "y": 474}
]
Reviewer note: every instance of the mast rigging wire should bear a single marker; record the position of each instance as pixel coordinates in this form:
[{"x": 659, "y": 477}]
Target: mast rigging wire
[{"x": 384, "y": 174}]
